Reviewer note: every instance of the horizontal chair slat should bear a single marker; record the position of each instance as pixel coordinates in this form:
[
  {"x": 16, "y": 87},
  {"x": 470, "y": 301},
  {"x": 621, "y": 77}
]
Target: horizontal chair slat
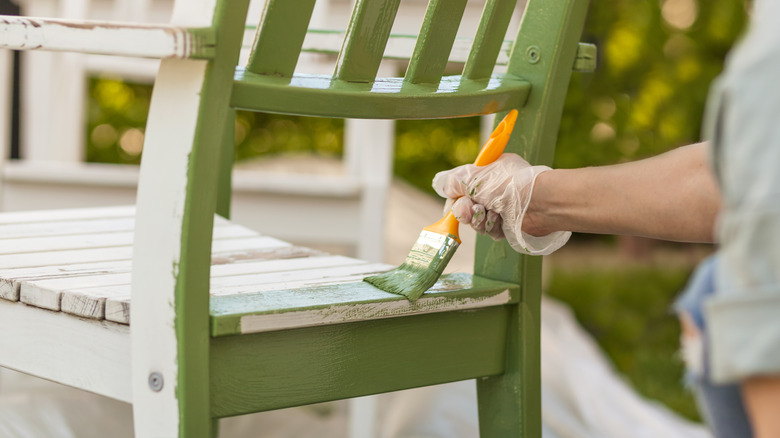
[
  {"x": 105, "y": 38},
  {"x": 317, "y": 95}
]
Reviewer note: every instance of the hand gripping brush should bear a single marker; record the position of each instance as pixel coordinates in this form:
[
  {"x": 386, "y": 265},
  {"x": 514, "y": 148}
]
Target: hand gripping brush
[{"x": 437, "y": 243}]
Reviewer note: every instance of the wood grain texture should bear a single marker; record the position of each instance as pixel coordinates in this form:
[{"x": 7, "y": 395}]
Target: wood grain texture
[{"x": 90, "y": 355}]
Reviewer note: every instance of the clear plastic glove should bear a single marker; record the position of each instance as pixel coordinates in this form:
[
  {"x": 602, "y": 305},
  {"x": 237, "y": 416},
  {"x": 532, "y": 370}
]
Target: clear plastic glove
[{"x": 494, "y": 199}]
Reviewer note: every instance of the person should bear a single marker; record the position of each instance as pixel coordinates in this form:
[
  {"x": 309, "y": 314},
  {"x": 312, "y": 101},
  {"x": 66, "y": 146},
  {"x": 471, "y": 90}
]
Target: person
[{"x": 724, "y": 190}]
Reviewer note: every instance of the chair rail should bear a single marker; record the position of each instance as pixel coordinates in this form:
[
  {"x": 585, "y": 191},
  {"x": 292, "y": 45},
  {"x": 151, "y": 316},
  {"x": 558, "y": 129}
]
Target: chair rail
[{"x": 321, "y": 95}]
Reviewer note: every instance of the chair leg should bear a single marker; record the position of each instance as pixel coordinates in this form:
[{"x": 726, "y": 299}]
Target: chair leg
[
  {"x": 215, "y": 428},
  {"x": 510, "y": 404}
]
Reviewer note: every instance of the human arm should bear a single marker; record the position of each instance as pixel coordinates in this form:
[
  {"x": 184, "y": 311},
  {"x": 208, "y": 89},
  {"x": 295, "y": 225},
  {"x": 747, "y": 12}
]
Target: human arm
[{"x": 672, "y": 196}]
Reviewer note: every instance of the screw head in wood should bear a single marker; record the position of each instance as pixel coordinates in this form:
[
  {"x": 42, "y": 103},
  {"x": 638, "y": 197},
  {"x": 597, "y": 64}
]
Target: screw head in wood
[
  {"x": 533, "y": 53},
  {"x": 156, "y": 382}
]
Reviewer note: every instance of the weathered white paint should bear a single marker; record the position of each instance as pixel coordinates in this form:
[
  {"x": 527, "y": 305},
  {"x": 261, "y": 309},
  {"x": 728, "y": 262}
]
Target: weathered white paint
[
  {"x": 75, "y": 234},
  {"x": 74, "y": 293},
  {"x": 23, "y": 217},
  {"x": 57, "y": 243},
  {"x": 360, "y": 312},
  {"x": 157, "y": 245},
  {"x": 298, "y": 279},
  {"x": 118, "y": 310},
  {"x": 10, "y": 279},
  {"x": 91, "y": 302},
  {"x": 238, "y": 248},
  {"x": 65, "y": 257},
  {"x": 47, "y": 293},
  {"x": 91, "y": 355},
  {"x": 65, "y": 228},
  {"x": 95, "y": 37}
]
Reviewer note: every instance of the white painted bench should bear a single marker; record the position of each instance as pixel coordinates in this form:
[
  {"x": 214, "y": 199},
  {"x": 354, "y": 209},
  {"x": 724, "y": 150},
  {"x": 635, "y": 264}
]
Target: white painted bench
[{"x": 223, "y": 321}]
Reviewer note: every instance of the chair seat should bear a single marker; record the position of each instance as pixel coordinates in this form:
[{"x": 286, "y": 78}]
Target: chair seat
[{"x": 78, "y": 262}]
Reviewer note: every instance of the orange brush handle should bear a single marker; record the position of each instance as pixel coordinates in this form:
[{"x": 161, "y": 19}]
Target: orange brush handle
[{"x": 490, "y": 152}]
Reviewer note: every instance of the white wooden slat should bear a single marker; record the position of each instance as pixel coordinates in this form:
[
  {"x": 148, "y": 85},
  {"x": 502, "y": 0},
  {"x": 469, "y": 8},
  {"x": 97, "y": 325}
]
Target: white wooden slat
[
  {"x": 60, "y": 243},
  {"x": 91, "y": 302},
  {"x": 219, "y": 267},
  {"x": 289, "y": 268},
  {"x": 98, "y": 37},
  {"x": 315, "y": 281},
  {"x": 10, "y": 279},
  {"x": 91, "y": 355},
  {"x": 230, "y": 247},
  {"x": 117, "y": 307},
  {"x": 60, "y": 228},
  {"x": 117, "y": 310},
  {"x": 24, "y": 217},
  {"x": 48, "y": 298},
  {"x": 301, "y": 278},
  {"x": 226, "y": 261},
  {"x": 97, "y": 240},
  {"x": 47, "y": 293},
  {"x": 63, "y": 257},
  {"x": 86, "y": 296}
]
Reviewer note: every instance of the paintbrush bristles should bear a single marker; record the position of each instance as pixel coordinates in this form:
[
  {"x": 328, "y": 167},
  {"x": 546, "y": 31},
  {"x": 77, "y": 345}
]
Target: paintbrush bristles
[
  {"x": 410, "y": 281},
  {"x": 423, "y": 266}
]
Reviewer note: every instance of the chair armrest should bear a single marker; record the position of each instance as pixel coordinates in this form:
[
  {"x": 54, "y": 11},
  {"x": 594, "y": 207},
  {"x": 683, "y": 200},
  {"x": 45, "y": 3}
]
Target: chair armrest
[{"x": 106, "y": 38}]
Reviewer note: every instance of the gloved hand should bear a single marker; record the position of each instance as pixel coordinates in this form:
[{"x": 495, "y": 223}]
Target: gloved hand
[{"x": 494, "y": 199}]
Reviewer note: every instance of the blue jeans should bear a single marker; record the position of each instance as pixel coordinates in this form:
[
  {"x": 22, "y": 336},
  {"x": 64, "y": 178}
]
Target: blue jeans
[{"x": 720, "y": 405}]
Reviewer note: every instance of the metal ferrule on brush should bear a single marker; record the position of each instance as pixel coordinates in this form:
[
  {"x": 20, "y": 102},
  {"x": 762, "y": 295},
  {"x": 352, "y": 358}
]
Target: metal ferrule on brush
[{"x": 432, "y": 251}]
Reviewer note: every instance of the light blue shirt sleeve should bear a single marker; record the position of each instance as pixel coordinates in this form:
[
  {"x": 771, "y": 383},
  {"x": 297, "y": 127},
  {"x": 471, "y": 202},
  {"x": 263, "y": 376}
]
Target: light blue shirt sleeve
[{"x": 744, "y": 315}]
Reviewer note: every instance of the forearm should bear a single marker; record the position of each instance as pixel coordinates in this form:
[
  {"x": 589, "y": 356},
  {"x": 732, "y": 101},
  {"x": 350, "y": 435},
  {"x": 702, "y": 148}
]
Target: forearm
[{"x": 673, "y": 196}]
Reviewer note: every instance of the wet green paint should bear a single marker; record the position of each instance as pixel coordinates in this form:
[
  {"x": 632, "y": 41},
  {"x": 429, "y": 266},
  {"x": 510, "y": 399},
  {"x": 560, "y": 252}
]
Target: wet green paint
[
  {"x": 451, "y": 289},
  {"x": 286, "y": 368}
]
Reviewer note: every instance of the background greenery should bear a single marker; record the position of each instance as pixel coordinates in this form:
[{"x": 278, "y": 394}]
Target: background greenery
[{"x": 656, "y": 61}]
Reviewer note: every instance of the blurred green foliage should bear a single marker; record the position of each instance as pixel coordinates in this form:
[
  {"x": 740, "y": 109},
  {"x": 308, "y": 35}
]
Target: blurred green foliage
[
  {"x": 627, "y": 310},
  {"x": 656, "y": 62},
  {"x": 116, "y": 119}
]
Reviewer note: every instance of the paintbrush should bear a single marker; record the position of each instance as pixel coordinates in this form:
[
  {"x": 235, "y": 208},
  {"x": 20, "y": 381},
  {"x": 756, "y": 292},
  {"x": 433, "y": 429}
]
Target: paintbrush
[{"x": 438, "y": 242}]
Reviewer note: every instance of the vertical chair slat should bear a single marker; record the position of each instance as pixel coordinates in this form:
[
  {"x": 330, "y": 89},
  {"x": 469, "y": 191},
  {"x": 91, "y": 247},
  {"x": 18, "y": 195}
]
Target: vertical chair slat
[
  {"x": 365, "y": 41},
  {"x": 435, "y": 41},
  {"x": 280, "y": 37},
  {"x": 490, "y": 35}
]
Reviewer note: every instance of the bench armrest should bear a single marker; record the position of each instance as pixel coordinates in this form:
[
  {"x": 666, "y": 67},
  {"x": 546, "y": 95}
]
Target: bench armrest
[{"x": 106, "y": 38}]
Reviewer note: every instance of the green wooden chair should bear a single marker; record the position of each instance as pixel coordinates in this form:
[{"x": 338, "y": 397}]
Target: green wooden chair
[{"x": 225, "y": 321}]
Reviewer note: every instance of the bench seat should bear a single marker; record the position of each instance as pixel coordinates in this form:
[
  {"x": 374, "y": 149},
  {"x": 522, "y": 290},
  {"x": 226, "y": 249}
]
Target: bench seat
[{"x": 78, "y": 262}]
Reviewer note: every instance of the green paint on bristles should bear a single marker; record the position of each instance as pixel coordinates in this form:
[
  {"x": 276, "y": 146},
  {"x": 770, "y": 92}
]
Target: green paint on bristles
[
  {"x": 408, "y": 280},
  {"x": 423, "y": 266}
]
